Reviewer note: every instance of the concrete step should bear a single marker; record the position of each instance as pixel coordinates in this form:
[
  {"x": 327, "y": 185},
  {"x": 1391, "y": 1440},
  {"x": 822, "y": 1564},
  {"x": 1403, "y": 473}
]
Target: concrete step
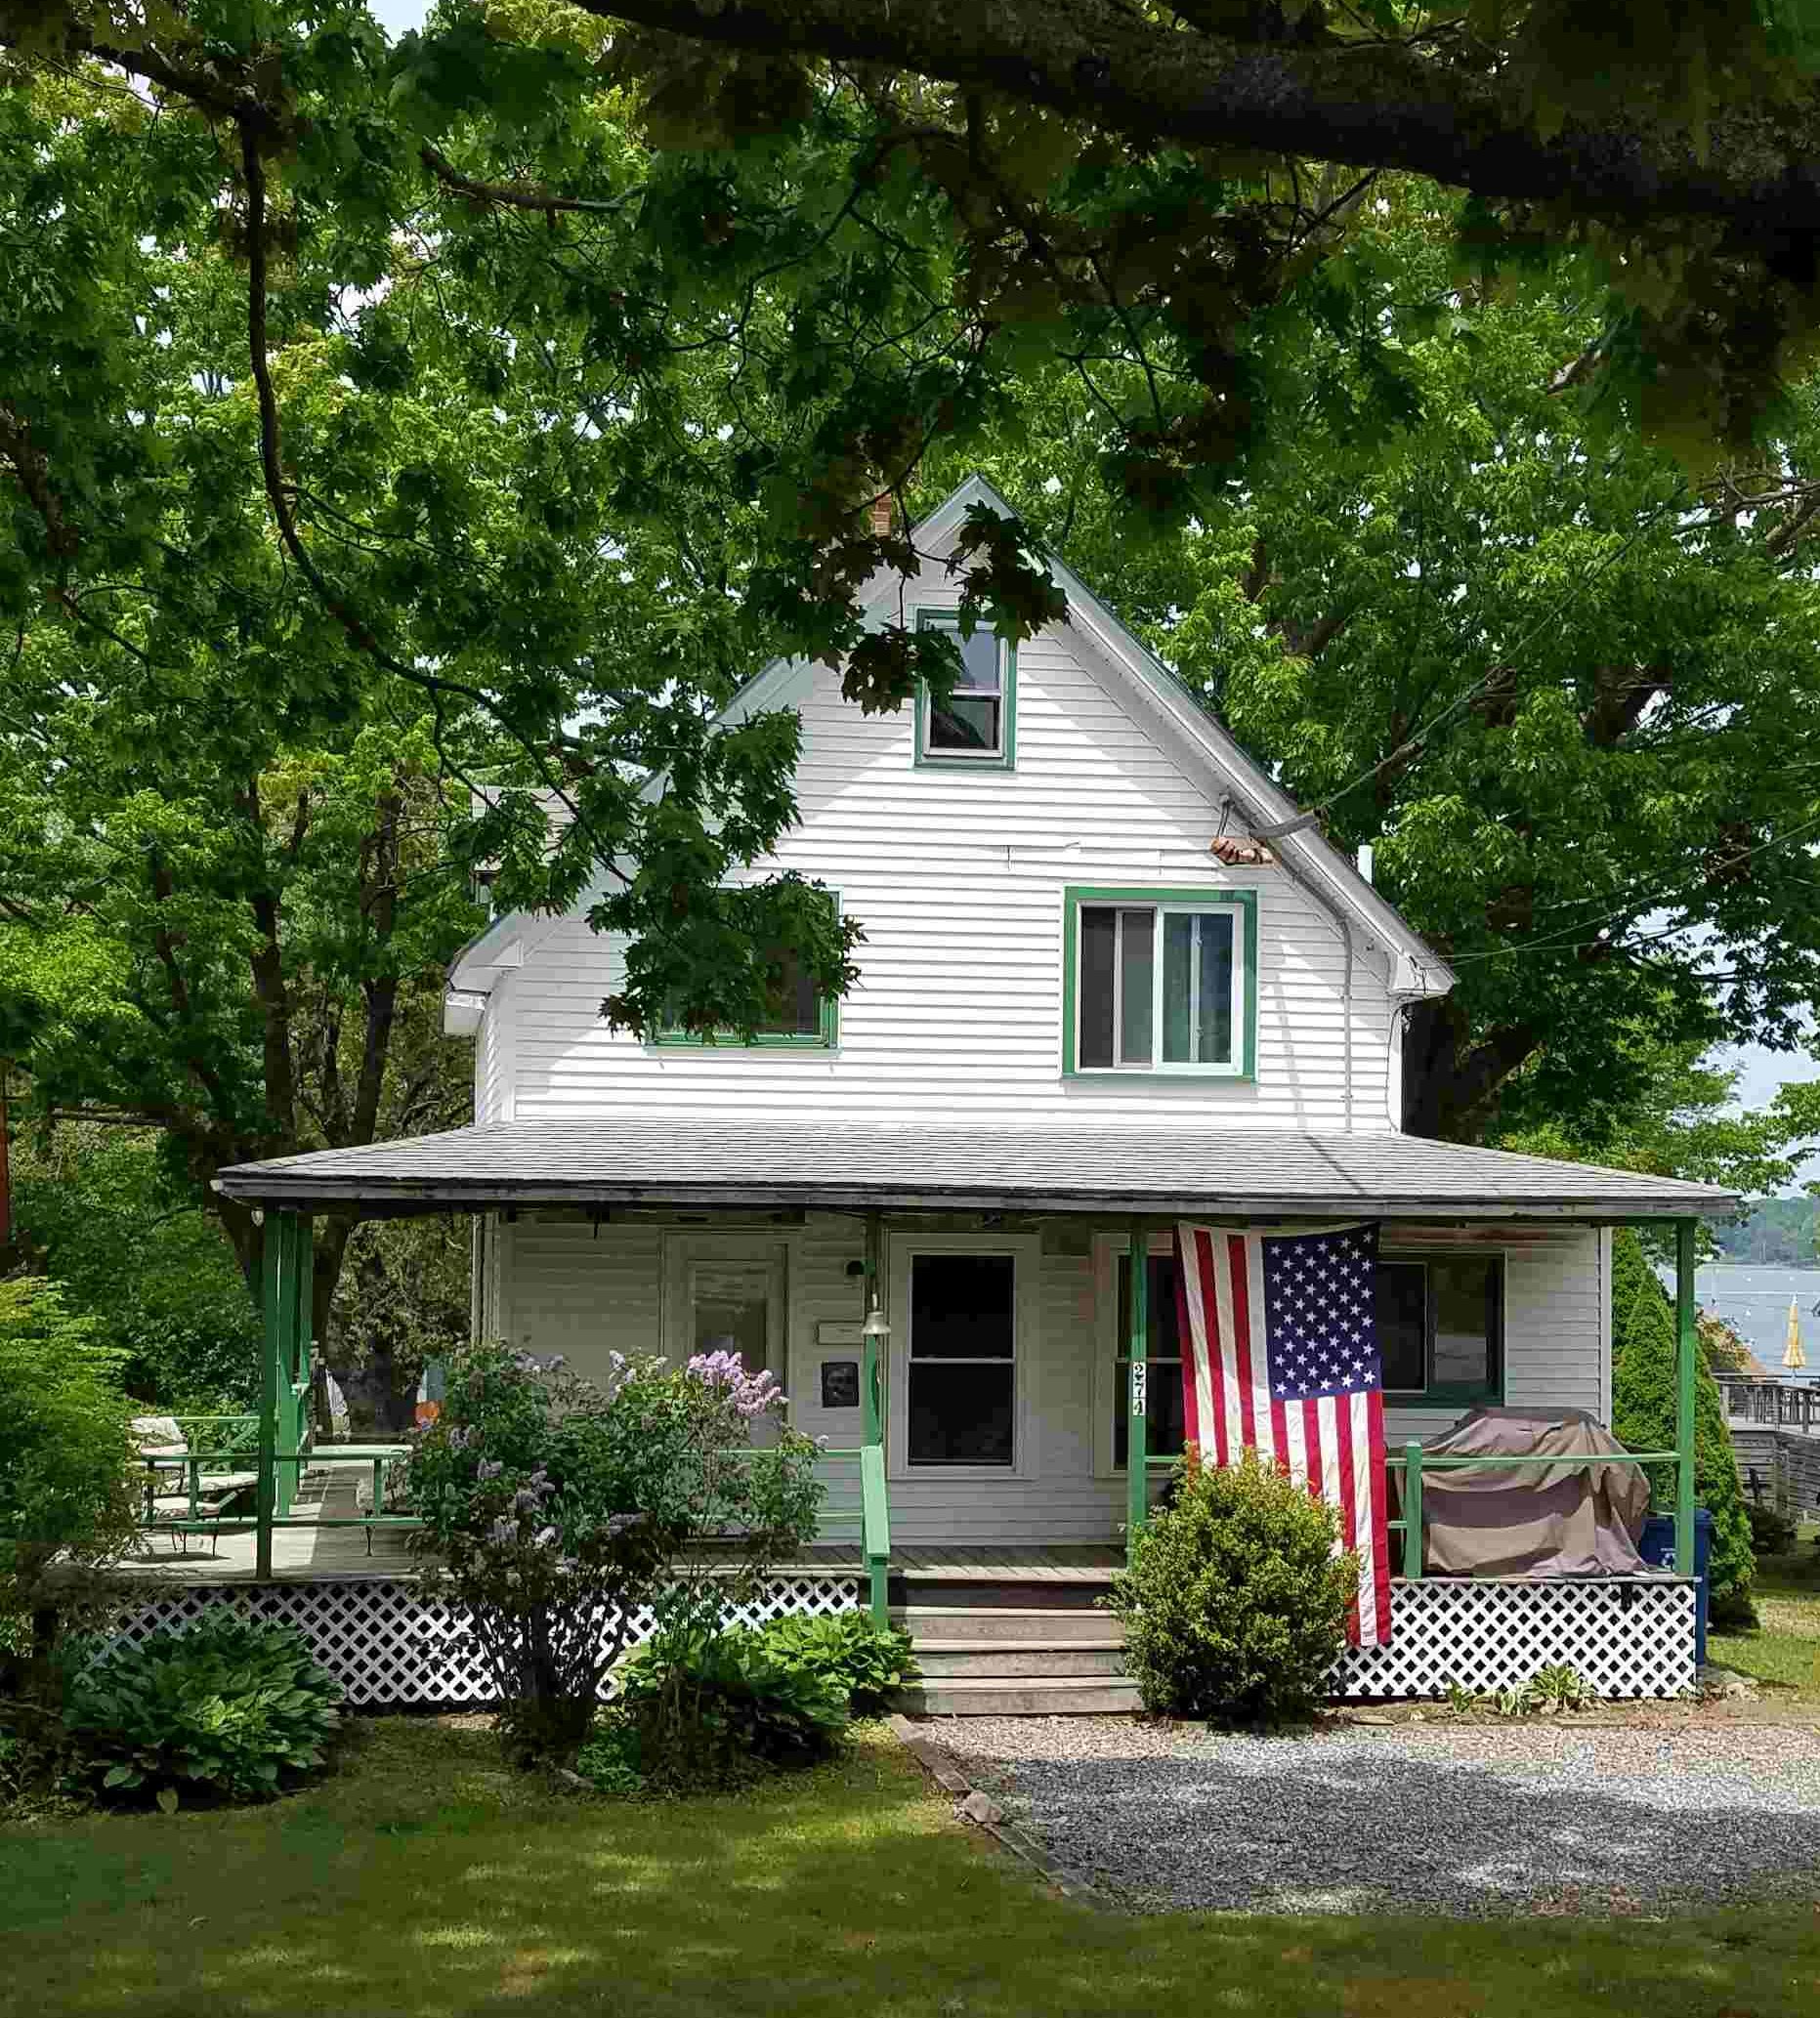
[
  {"x": 973, "y": 1696},
  {"x": 1007, "y": 1626},
  {"x": 1020, "y": 1661}
]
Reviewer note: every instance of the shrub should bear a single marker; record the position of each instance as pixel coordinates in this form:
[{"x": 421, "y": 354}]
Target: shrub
[
  {"x": 1772, "y": 1533},
  {"x": 555, "y": 1508},
  {"x": 228, "y": 1706},
  {"x": 1234, "y": 1604},
  {"x": 1643, "y": 1416},
  {"x": 699, "y": 1708},
  {"x": 870, "y": 1661},
  {"x": 65, "y": 1495}
]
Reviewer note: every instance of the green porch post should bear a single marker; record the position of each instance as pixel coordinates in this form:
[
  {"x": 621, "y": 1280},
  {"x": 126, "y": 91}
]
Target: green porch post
[
  {"x": 1137, "y": 1413},
  {"x": 1688, "y": 1345},
  {"x": 874, "y": 1509},
  {"x": 274, "y": 1310},
  {"x": 294, "y": 1411}
]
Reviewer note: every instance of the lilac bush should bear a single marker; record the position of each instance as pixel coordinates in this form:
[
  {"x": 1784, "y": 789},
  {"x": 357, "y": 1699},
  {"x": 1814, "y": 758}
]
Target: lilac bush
[{"x": 554, "y": 1507}]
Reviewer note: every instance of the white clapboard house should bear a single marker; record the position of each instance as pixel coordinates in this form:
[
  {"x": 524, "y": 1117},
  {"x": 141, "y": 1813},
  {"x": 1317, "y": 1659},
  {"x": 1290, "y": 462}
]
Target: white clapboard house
[{"x": 1089, "y": 1003}]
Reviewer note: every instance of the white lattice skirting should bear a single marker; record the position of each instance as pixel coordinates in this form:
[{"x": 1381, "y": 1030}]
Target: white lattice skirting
[
  {"x": 1625, "y": 1636},
  {"x": 390, "y": 1648}
]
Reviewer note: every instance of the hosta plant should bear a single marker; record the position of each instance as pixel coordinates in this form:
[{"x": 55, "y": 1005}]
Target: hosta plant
[
  {"x": 870, "y": 1661},
  {"x": 225, "y": 1707}
]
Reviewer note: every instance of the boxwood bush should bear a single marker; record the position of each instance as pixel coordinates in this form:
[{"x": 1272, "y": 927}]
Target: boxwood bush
[
  {"x": 227, "y": 1708},
  {"x": 1235, "y": 1603}
]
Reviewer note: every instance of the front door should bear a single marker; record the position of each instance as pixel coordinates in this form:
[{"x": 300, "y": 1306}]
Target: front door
[{"x": 726, "y": 1293}]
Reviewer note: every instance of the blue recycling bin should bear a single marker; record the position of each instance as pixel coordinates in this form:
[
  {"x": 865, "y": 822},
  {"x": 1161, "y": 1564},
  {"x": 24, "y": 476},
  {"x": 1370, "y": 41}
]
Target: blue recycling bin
[{"x": 1657, "y": 1547}]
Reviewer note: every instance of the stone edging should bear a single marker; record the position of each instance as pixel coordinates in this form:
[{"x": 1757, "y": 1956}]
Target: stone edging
[{"x": 973, "y": 1804}]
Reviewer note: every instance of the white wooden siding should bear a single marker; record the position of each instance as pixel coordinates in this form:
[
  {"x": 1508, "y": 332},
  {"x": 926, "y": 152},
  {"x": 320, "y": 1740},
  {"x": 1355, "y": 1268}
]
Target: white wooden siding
[
  {"x": 958, "y": 879},
  {"x": 562, "y": 1286}
]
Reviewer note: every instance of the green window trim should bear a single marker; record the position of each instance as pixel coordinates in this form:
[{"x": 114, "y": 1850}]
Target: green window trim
[
  {"x": 1243, "y": 1068},
  {"x": 826, "y": 1037},
  {"x": 1454, "y": 1397},
  {"x": 1004, "y": 758}
]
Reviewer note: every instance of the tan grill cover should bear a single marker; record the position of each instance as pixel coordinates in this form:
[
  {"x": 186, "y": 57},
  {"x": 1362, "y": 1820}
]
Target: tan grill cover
[{"x": 1553, "y": 1520}]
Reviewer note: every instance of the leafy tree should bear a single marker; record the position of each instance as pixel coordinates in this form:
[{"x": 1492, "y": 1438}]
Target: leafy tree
[
  {"x": 1778, "y": 1233},
  {"x": 1644, "y": 1394},
  {"x": 401, "y": 1302},
  {"x": 521, "y": 387},
  {"x": 65, "y": 1495},
  {"x": 136, "y": 1254},
  {"x": 1571, "y": 701}
]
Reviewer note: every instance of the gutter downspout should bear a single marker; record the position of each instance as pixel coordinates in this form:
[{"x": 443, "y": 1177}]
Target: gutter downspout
[{"x": 1343, "y": 925}]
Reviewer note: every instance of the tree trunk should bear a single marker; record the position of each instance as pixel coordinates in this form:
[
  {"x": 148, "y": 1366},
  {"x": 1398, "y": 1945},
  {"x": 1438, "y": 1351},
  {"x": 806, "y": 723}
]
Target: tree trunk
[{"x": 1450, "y": 1076}]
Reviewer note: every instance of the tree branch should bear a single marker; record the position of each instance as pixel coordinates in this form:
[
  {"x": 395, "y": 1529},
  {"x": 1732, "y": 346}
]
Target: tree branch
[
  {"x": 1323, "y": 96},
  {"x": 32, "y": 471},
  {"x": 517, "y": 196}
]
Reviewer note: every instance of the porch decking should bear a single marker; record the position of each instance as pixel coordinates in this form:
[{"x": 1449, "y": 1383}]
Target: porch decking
[{"x": 311, "y": 1553}]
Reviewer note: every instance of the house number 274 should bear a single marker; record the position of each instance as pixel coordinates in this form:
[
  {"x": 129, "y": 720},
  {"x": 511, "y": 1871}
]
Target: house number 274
[{"x": 1140, "y": 1380}]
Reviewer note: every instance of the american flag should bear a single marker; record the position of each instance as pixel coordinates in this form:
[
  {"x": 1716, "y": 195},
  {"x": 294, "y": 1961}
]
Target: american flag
[{"x": 1281, "y": 1359}]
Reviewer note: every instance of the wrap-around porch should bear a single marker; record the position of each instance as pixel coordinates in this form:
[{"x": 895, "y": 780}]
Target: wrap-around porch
[{"x": 962, "y": 1472}]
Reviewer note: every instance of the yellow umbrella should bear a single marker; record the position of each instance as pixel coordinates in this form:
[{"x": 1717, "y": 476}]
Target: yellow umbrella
[{"x": 1794, "y": 1359}]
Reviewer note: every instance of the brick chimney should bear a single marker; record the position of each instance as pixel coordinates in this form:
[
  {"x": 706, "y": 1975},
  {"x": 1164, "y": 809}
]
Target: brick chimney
[{"x": 882, "y": 513}]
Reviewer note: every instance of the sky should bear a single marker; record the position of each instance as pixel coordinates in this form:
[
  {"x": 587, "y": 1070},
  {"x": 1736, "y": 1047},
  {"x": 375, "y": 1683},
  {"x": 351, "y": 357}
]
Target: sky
[{"x": 1762, "y": 1072}]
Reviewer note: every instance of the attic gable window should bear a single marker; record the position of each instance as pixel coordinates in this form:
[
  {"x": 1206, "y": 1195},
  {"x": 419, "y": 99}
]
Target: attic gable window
[
  {"x": 1162, "y": 982},
  {"x": 975, "y": 728}
]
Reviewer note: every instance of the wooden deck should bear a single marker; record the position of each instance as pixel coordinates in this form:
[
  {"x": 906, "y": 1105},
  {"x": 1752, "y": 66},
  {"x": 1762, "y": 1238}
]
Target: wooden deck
[{"x": 307, "y": 1552}]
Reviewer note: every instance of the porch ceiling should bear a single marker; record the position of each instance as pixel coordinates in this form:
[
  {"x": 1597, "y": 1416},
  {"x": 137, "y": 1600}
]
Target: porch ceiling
[{"x": 660, "y": 1161}]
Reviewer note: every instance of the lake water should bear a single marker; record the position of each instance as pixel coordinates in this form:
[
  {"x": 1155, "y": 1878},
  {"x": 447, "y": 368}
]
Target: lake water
[{"x": 1754, "y": 1301}]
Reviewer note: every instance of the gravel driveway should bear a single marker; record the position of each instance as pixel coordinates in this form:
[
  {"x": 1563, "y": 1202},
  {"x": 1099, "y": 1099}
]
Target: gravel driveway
[{"x": 1477, "y": 1821}]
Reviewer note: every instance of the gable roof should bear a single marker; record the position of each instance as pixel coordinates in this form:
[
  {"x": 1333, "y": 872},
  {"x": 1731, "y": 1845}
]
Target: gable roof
[{"x": 1155, "y": 692}]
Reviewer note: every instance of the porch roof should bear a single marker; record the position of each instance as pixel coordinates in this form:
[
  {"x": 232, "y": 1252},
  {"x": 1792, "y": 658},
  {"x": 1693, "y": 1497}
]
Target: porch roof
[{"x": 665, "y": 1161}]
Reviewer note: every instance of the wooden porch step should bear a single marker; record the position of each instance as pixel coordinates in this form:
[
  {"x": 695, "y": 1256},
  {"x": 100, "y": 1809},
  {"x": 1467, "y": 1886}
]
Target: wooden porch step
[
  {"x": 1026, "y": 1660},
  {"x": 921, "y": 1588},
  {"x": 1006, "y": 1625},
  {"x": 1009, "y": 1696}
]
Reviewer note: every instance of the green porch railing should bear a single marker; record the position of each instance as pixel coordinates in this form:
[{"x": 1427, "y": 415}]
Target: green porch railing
[
  {"x": 1413, "y": 1461},
  {"x": 1416, "y": 1463},
  {"x": 278, "y": 1436}
]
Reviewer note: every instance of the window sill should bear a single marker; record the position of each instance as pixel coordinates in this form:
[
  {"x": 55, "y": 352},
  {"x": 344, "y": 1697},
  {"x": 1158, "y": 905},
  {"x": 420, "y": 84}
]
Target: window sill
[
  {"x": 733, "y": 1043},
  {"x": 1483, "y": 1399},
  {"x": 927, "y": 760},
  {"x": 1158, "y": 1075}
]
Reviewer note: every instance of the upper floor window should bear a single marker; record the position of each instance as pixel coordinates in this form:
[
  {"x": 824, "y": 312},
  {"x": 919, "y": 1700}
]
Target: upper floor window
[
  {"x": 976, "y": 726},
  {"x": 1440, "y": 1328},
  {"x": 797, "y": 1015},
  {"x": 1161, "y": 981}
]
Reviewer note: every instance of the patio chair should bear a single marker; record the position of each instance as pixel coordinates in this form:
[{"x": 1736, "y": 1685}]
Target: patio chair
[{"x": 162, "y": 1455}]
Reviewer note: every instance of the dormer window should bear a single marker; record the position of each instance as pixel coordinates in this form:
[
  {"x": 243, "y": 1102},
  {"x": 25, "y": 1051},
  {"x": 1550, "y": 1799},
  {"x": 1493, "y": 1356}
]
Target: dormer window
[
  {"x": 975, "y": 728},
  {"x": 1162, "y": 982}
]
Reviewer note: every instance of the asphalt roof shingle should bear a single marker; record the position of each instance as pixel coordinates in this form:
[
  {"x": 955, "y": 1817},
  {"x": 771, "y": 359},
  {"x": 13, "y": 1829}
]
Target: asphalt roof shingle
[{"x": 656, "y": 1160}]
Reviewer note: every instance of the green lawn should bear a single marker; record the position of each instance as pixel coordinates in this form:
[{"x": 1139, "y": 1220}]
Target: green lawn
[
  {"x": 1786, "y": 1647},
  {"x": 423, "y": 1879}
]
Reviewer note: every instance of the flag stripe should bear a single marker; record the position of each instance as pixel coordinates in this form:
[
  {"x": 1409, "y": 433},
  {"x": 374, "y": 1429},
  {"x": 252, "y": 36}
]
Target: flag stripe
[{"x": 1191, "y": 1383}]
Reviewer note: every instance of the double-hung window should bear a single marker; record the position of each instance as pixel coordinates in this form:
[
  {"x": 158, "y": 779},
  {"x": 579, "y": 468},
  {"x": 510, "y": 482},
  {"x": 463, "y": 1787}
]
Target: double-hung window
[
  {"x": 1160, "y": 982},
  {"x": 976, "y": 724},
  {"x": 797, "y": 1015},
  {"x": 1440, "y": 1328}
]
